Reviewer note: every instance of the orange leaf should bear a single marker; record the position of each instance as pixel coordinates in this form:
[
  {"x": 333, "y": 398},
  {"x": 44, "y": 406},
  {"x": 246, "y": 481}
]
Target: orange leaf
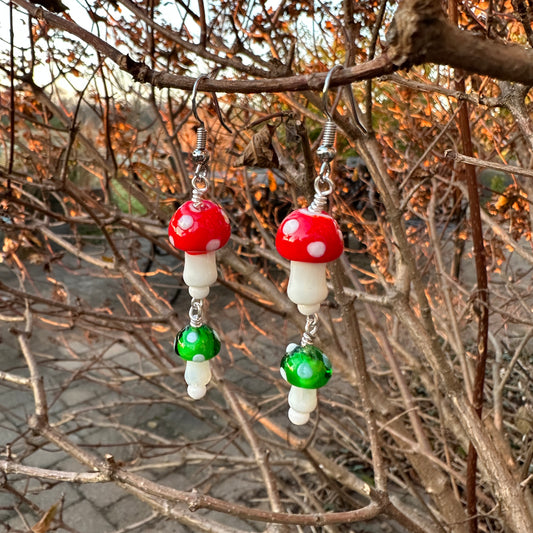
[
  {"x": 272, "y": 185},
  {"x": 43, "y": 525}
]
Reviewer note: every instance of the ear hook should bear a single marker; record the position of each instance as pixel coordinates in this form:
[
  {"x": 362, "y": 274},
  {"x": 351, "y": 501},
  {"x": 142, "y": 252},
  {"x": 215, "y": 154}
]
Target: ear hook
[
  {"x": 325, "y": 90},
  {"x": 325, "y": 152},
  {"x": 215, "y": 101}
]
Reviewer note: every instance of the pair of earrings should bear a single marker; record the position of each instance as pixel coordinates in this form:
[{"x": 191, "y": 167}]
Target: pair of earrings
[{"x": 309, "y": 238}]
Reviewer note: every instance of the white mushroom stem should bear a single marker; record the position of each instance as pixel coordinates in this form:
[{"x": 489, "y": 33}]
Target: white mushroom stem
[
  {"x": 199, "y": 273},
  {"x": 301, "y": 402},
  {"x": 197, "y": 376},
  {"x": 307, "y": 286}
]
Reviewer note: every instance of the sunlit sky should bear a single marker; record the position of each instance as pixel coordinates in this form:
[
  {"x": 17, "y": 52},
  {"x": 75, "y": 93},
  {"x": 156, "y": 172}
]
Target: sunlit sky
[{"x": 78, "y": 13}]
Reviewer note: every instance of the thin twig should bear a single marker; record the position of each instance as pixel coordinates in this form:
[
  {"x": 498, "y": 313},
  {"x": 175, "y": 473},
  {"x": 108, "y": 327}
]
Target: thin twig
[{"x": 474, "y": 161}]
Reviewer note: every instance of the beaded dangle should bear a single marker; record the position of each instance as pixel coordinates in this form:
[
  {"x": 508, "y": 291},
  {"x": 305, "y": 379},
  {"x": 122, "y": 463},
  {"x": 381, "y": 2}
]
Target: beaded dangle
[
  {"x": 310, "y": 238},
  {"x": 199, "y": 228}
]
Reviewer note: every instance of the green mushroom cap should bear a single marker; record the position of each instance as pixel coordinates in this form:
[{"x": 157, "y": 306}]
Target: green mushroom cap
[
  {"x": 305, "y": 366},
  {"x": 197, "y": 344}
]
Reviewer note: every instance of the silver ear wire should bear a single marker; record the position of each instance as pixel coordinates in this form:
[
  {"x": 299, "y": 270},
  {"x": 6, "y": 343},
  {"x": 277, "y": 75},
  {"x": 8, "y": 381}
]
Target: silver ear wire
[
  {"x": 200, "y": 155},
  {"x": 215, "y": 102},
  {"x": 325, "y": 152},
  {"x": 325, "y": 90}
]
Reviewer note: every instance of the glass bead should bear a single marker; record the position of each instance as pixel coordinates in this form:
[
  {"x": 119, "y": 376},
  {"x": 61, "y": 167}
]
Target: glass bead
[
  {"x": 198, "y": 229},
  {"x": 309, "y": 237},
  {"x": 305, "y": 366},
  {"x": 197, "y": 344}
]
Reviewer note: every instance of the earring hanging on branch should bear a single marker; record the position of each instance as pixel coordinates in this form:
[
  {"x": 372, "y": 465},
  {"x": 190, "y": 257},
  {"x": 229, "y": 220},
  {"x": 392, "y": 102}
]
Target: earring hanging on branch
[
  {"x": 310, "y": 238},
  {"x": 199, "y": 228}
]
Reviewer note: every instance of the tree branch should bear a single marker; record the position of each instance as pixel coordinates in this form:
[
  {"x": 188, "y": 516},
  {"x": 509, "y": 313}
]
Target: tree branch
[
  {"x": 144, "y": 74},
  {"x": 420, "y": 33}
]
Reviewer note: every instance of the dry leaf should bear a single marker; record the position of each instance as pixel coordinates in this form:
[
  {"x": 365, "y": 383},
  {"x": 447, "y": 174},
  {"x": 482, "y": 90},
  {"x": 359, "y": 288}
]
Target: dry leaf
[
  {"x": 43, "y": 525},
  {"x": 524, "y": 419},
  {"x": 259, "y": 152},
  {"x": 272, "y": 183}
]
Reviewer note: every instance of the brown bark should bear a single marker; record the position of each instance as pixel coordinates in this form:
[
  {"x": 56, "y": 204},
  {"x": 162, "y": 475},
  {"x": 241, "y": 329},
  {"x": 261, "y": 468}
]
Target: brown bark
[{"x": 419, "y": 34}]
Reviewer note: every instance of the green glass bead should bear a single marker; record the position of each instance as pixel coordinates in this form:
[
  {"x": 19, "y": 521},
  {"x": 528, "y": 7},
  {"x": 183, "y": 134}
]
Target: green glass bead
[
  {"x": 197, "y": 344},
  {"x": 305, "y": 366}
]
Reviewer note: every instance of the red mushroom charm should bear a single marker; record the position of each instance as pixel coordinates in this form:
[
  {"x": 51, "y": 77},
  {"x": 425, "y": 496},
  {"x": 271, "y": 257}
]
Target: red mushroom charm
[
  {"x": 309, "y": 240},
  {"x": 199, "y": 229}
]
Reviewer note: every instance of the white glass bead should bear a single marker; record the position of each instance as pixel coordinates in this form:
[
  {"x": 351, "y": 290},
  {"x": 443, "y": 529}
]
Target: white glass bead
[
  {"x": 301, "y": 402},
  {"x": 307, "y": 286},
  {"x": 199, "y": 273},
  {"x": 197, "y": 376}
]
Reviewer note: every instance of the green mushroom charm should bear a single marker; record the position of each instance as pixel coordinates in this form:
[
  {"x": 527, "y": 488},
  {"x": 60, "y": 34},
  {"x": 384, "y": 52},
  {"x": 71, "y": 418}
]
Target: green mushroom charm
[
  {"x": 306, "y": 368},
  {"x": 196, "y": 345}
]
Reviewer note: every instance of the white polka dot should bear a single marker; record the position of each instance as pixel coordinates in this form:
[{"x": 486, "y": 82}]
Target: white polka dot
[
  {"x": 226, "y": 219},
  {"x": 192, "y": 337},
  {"x": 171, "y": 239},
  {"x": 290, "y": 227},
  {"x": 185, "y": 222},
  {"x": 305, "y": 371},
  {"x": 212, "y": 245},
  {"x": 316, "y": 249},
  {"x": 198, "y": 358},
  {"x": 217, "y": 337},
  {"x": 291, "y": 347},
  {"x": 283, "y": 373}
]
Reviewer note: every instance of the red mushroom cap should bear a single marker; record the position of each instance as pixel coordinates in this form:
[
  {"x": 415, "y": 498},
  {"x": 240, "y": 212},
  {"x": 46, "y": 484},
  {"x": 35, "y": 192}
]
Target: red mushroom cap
[
  {"x": 309, "y": 237},
  {"x": 199, "y": 229}
]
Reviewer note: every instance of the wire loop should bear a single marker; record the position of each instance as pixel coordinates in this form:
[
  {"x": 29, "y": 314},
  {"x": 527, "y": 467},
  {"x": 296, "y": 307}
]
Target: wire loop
[
  {"x": 195, "y": 312},
  {"x": 311, "y": 329}
]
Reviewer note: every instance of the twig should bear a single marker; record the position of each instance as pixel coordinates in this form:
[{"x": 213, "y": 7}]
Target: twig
[
  {"x": 12, "y": 378},
  {"x": 10, "y": 467},
  {"x": 194, "y": 500},
  {"x": 11, "y": 159},
  {"x": 138, "y": 524},
  {"x": 509, "y": 169},
  {"x": 142, "y": 73},
  {"x": 260, "y": 456},
  {"x": 459, "y": 347},
  {"x": 37, "y": 385}
]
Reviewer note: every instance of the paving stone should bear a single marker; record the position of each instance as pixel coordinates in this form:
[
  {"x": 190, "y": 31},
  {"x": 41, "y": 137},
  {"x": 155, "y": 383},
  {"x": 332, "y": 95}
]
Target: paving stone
[
  {"x": 78, "y": 347},
  {"x": 101, "y": 494},
  {"x": 16, "y": 524},
  {"x": 109, "y": 440},
  {"x": 82, "y": 393},
  {"x": 7, "y": 502},
  {"x": 11, "y": 397},
  {"x": 6, "y": 435},
  {"x": 69, "y": 365},
  {"x": 69, "y": 464},
  {"x": 52, "y": 493},
  {"x": 57, "y": 409},
  {"x": 115, "y": 350},
  {"x": 127, "y": 510},
  {"x": 9, "y": 347},
  {"x": 86, "y": 518},
  {"x": 175, "y": 479},
  {"x": 164, "y": 526},
  {"x": 47, "y": 457},
  {"x": 100, "y": 508},
  {"x": 17, "y": 417}
]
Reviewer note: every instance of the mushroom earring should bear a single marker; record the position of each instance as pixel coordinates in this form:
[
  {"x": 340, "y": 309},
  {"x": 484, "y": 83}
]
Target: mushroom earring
[
  {"x": 310, "y": 238},
  {"x": 199, "y": 228}
]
